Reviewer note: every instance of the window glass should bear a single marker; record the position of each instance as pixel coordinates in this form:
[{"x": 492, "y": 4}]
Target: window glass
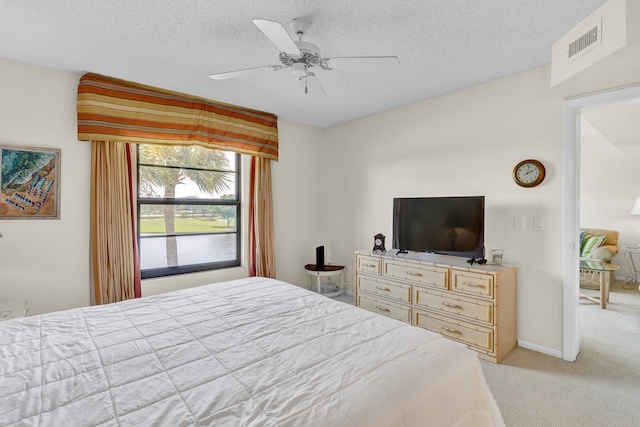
[
  {"x": 189, "y": 250},
  {"x": 172, "y": 219},
  {"x": 188, "y": 209},
  {"x": 160, "y": 182}
]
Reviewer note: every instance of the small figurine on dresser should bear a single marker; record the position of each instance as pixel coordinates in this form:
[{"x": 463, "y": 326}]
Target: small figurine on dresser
[{"x": 378, "y": 243}]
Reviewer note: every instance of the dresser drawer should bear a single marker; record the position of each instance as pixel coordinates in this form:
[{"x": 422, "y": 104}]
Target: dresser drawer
[
  {"x": 475, "y": 336},
  {"x": 369, "y": 264},
  {"x": 472, "y": 283},
  {"x": 384, "y": 288},
  {"x": 449, "y": 303},
  {"x": 417, "y": 273},
  {"x": 386, "y": 308}
]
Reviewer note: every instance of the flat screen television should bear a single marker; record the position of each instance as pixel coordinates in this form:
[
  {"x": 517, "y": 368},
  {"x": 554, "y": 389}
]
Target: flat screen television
[{"x": 442, "y": 225}]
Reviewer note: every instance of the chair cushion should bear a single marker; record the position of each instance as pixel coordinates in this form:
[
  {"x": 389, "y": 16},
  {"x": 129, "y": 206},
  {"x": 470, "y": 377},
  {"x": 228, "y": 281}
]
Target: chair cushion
[
  {"x": 591, "y": 243},
  {"x": 611, "y": 235},
  {"x": 603, "y": 253}
]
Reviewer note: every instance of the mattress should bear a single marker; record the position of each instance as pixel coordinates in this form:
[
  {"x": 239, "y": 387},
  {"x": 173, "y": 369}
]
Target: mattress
[{"x": 249, "y": 352}]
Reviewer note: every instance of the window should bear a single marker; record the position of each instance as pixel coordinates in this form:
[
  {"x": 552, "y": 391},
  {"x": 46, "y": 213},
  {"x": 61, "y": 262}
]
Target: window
[{"x": 188, "y": 209}]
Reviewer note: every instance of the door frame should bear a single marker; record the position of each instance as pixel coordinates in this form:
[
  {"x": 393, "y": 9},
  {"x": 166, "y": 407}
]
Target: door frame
[{"x": 572, "y": 112}]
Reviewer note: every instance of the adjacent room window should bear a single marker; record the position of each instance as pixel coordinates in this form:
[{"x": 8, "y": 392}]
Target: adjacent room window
[{"x": 188, "y": 209}]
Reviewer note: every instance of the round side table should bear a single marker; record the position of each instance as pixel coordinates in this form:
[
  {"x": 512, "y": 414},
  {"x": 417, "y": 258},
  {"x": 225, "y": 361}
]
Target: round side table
[{"x": 327, "y": 271}]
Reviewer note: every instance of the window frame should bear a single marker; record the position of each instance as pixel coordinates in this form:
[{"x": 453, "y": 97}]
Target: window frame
[{"x": 191, "y": 268}]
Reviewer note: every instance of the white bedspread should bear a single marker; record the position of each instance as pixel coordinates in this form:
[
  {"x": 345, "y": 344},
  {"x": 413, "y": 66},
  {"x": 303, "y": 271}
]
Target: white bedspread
[{"x": 251, "y": 352}]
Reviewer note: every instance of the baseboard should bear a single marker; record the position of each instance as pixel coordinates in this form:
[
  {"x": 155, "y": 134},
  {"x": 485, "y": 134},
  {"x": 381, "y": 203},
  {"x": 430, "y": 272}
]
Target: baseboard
[{"x": 540, "y": 349}]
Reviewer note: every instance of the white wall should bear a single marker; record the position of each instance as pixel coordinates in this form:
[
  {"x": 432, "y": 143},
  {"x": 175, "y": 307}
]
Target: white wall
[
  {"x": 46, "y": 261},
  {"x": 464, "y": 143},
  {"x": 332, "y": 187},
  {"x": 609, "y": 186},
  {"x": 298, "y": 203}
]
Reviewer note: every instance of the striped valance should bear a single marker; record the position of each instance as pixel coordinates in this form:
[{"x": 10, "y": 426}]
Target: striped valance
[{"x": 115, "y": 110}]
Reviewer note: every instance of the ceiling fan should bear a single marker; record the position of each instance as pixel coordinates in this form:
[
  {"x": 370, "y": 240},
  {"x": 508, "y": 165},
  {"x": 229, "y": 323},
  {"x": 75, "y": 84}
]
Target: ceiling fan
[{"x": 301, "y": 57}]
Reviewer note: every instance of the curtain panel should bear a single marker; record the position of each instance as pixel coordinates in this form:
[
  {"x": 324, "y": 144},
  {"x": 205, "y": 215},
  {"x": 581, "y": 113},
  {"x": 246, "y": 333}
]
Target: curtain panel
[
  {"x": 119, "y": 111},
  {"x": 114, "y": 250},
  {"x": 261, "y": 243}
]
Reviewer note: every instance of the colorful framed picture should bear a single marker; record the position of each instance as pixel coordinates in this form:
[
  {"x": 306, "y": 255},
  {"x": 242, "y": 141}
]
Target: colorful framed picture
[{"x": 29, "y": 183}]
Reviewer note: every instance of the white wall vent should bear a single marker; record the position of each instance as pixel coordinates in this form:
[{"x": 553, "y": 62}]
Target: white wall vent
[
  {"x": 586, "y": 42},
  {"x": 599, "y": 35}
]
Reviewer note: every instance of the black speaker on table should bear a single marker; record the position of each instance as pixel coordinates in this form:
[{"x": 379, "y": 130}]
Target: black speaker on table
[{"x": 320, "y": 257}]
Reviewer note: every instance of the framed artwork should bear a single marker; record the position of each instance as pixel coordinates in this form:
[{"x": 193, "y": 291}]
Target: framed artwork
[{"x": 29, "y": 183}]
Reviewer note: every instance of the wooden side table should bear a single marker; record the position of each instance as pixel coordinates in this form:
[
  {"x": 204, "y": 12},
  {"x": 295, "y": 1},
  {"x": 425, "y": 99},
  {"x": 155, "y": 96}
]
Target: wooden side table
[
  {"x": 327, "y": 271},
  {"x": 603, "y": 270},
  {"x": 628, "y": 253},
  {"x": 13, "y": 310}
]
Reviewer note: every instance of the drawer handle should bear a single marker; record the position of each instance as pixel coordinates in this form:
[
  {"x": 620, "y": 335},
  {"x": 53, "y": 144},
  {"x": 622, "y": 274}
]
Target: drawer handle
[
  {"x": 411, "y": 273},
  {"x": 368, "y": 265},
  {"x": 448, "y": 304},
  {"x": 473, "y": 285},
  {"x": 382, "y": 309},
  {"x": 448, "y": 329},
  {"x": 383, "y": 289}
]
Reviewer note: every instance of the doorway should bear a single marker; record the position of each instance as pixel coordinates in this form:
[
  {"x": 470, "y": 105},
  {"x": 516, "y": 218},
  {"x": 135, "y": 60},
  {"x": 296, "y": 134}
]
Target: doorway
[{"x": 572, "y": 112}]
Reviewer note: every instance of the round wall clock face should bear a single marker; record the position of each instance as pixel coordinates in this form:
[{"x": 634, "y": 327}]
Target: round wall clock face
[{"x": 528, "y": 173}]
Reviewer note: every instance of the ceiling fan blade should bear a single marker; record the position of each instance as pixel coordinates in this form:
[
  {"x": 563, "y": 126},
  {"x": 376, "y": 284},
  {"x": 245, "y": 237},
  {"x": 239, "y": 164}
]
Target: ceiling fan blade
[
  {"x": 241, "y": 73},
  {"x": 312, "y": 86},
  {"x": 350, "y": 62},
  {"x": 278, "y": 35}
]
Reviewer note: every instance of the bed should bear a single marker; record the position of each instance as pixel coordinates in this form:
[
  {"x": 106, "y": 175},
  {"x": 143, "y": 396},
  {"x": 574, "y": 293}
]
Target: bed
[{"x": 249, "y": 352}]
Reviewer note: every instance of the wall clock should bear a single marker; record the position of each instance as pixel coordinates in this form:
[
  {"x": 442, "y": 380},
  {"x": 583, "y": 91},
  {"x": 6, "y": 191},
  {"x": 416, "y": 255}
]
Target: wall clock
[
  {"x": 529, "y": 173},
  {"x": 378, "y": 243}
]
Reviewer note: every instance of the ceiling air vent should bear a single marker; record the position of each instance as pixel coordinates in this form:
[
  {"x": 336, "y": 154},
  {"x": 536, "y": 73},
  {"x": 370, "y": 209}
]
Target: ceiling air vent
[{"x": 586, "y": 42}]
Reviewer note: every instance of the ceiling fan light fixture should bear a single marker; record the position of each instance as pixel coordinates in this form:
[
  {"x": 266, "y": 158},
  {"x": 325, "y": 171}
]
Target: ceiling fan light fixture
[{"x": 299, "y": 69}]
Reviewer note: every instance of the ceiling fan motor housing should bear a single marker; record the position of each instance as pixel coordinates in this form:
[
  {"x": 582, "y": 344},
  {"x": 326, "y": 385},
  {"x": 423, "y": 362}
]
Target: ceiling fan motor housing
[
  {"x": 310, "y": 55},
  {"x": 300, "y": 26}
]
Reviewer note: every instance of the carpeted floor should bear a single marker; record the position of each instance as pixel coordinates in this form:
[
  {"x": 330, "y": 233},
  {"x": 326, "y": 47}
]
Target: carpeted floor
[{"x": 600, "y": 388}]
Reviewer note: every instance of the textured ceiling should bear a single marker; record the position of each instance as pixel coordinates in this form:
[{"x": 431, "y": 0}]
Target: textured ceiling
[{"x": 442, "y": 45}]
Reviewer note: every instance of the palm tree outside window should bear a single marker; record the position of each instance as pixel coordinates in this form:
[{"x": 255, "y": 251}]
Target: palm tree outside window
[{"x": 188, "y": 209}]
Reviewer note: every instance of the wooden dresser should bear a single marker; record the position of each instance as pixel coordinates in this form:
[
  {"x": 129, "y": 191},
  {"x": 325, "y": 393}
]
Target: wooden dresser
[{"x": 472, "y": 304}]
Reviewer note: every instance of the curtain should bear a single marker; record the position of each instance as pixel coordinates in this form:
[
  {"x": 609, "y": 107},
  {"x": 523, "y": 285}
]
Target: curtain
[
  {"x": 261, "y": 256},
  {"x": 115, "y": 110},
  {"x": 114, "y": 246},
  {"x": 121, "y": 113}
]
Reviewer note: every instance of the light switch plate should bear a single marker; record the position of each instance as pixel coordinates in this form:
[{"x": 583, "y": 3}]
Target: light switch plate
[
  {"x": 518, "y": 222},
  {"x": 538, "y": 223}
]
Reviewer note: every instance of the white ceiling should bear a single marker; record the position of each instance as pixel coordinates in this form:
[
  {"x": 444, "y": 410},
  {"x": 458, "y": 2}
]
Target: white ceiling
[
  {"x": 618, "y": 123},
  {"x": 442, "y": 45}
]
